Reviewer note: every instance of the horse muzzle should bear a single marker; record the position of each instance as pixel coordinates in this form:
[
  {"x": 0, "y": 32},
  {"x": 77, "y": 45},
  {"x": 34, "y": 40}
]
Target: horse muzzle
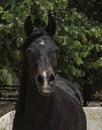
[{"x": 46, "y": 83}]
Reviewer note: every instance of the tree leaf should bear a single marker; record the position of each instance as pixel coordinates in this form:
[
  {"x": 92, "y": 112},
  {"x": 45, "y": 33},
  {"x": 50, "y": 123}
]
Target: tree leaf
[{"x": 1, "y": 9}]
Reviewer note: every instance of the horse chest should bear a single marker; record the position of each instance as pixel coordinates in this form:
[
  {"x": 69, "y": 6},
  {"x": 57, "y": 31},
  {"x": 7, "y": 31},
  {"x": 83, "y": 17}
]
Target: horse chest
[
  {"x": 42, "y": 123},
  {"x": 49, "y": 120}
]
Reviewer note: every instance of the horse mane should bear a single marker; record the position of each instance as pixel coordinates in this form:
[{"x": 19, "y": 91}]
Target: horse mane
[{"x": 23, "y": 84}]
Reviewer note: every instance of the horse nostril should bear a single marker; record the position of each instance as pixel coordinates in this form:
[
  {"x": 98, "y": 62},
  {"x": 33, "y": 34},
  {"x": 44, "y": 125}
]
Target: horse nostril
[
  {"x": 52, "y": 77},
  {"x": 52, "y": 80},
  {"x": 40, "y": 79},
  {"x": 46, "y": 79}
]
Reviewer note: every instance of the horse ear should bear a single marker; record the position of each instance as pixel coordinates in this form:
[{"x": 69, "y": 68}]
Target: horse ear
[
  {"x": 51, "y": 28},
  {"x": 28, "y": 26}
]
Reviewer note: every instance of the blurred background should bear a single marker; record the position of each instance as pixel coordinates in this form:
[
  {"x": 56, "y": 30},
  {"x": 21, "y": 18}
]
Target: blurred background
[{"x": 78, "y": 35}]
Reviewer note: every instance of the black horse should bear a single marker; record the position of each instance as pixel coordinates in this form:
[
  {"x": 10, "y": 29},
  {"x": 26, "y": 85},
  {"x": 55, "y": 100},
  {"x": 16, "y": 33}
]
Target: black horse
[{"x": 46, "y": 101}]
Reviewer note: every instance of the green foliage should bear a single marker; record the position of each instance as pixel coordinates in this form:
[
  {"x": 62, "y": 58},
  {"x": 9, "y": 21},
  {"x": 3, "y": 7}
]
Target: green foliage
[
  {"x": 91, "y": 8},
  {"x": 78, "y": 37},
  {"x": 6, "y": 77},
  {"x": 11, "y": 37},
  {"x": 1, "y": 9}
]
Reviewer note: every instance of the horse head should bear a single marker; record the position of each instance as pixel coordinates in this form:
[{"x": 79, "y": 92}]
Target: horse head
[{"x": 40, "y": 50}]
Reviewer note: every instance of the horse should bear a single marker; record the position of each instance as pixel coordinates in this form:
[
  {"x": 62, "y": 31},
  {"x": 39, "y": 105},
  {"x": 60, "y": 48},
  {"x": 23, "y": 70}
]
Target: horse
[{"x": 46, "y": 101}]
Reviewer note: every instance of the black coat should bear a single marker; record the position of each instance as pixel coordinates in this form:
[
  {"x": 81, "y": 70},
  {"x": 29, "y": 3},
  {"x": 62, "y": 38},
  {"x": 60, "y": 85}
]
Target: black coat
[{"x": 61, "y": 111}]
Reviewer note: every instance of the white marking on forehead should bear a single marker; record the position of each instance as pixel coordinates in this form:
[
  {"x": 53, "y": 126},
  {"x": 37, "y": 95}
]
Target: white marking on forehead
[
  {"x": 42, "y": 43},
  {"x": 44, "y": 74}
]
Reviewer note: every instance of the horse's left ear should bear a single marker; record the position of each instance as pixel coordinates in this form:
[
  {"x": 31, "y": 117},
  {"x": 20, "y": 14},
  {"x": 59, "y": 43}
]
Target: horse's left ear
[
  {"x": 51, "y": 28},
  {"x": 28, "y": 26}
]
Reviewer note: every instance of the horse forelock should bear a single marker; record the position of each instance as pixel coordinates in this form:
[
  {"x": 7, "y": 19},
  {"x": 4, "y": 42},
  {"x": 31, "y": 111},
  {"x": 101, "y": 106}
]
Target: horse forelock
[{"x": 34, "y": 35}]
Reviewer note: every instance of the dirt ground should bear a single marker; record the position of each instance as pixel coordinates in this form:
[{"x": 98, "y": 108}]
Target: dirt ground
[{"x": 6, "y": 107}]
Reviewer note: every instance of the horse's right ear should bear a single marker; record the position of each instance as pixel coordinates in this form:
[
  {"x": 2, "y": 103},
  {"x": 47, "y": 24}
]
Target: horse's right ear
[
  {"x": 51, "y": 28},
  {"x": 28, "y": 26}
]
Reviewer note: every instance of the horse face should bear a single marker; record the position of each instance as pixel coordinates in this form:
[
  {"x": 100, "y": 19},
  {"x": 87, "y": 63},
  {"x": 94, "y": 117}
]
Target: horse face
[{"x": 42, "y": 61}]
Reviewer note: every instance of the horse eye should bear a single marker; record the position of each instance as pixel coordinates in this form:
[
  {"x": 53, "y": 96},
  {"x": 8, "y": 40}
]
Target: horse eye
[
  {"x": 53, "y": 58},
  {"x": 28, "y": 51},
  {"x": 31, "y": 51},
  {"x": 55, "y": 51}
]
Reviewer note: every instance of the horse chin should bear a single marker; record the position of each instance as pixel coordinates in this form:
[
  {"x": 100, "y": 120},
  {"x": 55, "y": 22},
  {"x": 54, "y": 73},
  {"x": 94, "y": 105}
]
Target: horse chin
[{"x": 45, "y": 92}]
